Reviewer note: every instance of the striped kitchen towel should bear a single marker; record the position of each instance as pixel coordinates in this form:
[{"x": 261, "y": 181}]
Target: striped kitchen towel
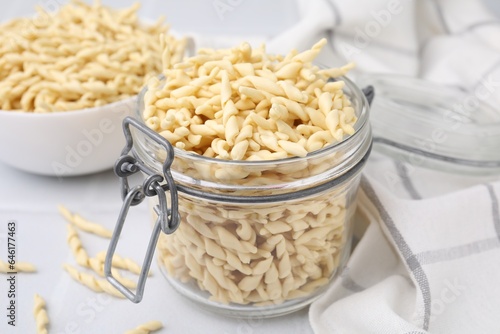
[{"x": 423, "y": 266}]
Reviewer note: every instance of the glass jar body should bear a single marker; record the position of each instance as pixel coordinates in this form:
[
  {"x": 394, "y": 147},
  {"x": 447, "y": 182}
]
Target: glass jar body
[
  {"x": 264, "y": 259},
  {"x": 261, "y": 238}
]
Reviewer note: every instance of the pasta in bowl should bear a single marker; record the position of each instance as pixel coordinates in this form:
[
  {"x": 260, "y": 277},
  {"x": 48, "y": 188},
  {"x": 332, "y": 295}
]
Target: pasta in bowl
[{"x": 67, "y": 80}]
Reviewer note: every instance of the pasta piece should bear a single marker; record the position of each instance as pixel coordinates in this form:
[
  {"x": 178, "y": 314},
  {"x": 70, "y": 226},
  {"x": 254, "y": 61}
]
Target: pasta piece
[
  {"x": 18, "y": 267},
  {"x": 96, "y": 265},
  {"x": 148, "y": 327},
  {"x": 84, "y": 224},
  {"x": 75, "y": 244},
  {"x": 91, "y": 282},
  {"x": 40, "y": 314},
  {"x": 121, "y": 262}
]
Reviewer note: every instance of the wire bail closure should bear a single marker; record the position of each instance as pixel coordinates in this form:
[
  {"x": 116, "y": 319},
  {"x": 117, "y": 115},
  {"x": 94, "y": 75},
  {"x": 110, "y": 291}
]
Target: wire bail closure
[{"x": 154, "y": 185}]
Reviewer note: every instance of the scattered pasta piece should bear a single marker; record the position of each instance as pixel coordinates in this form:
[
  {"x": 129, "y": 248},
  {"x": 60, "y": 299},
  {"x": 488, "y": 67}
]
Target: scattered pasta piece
[
  {"x": 91, "y": 282},
  {"x": 146, "y": 328},
  {"x": 98, "y": 267},
  {"x": 40, "y": 313},
  {"x": 65, "y": 213},
  {"x": 91, "y": 227},
  {"x": 121, "y": 262},
  {"x": 18, "y": 267},
  {"x": 75, "y": 244},
  {"x": 84, "y": 224},
  {"x": 84, "y": 260}
]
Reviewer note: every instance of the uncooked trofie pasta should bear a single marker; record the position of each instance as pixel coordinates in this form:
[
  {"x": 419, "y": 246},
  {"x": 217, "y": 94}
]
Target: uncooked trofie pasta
[
  {"x": 97, "y": 285},
  {"x": 264, "y": 253},
  {"x": 146, "y": 328},
  {"x": 120, "y": 262},
  {"x": 248, "y": 123},
  {"x": 83, "y": 223},
  {"x": 81, "y": 56},
  {"x": 18, "y": 267},
  {"x": 82, "y": 258},
  {"x": 244, "y": 104},
  {"x": 95, "y": 264},
  {"x": 40, "y": 314},
  {"x": 76, "y": 247}
]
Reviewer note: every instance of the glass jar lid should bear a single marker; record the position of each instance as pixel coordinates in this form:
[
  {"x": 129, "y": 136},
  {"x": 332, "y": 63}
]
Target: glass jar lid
[{"x": 434, "y": 126}]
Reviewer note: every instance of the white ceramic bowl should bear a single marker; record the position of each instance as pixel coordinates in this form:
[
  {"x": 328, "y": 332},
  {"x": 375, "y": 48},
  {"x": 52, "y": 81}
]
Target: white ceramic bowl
[{"x": 64, "y": 143}]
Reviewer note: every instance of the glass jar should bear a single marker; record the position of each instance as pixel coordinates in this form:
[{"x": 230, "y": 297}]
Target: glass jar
[
  {"x": 260, "y": 237},
  {"x": 431, "y": 125}
]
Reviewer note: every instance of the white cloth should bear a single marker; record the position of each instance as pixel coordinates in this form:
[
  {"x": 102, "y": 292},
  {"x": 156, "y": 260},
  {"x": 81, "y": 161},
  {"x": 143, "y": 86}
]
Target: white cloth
[{"x": 428, "y": 265}]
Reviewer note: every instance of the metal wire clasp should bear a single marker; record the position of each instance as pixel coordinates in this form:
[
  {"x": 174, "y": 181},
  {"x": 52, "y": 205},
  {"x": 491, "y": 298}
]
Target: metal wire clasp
[{"x": 154, "y": 185}]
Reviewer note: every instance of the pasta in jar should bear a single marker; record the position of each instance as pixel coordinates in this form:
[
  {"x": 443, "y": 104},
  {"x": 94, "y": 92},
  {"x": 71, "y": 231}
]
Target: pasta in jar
[
  {"x": 258, "y": 253},
  {"x": 268, "y": 153}
]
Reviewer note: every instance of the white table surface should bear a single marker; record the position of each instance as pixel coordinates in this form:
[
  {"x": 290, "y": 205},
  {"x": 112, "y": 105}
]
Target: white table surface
[{"x": 31, "y": 201}]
